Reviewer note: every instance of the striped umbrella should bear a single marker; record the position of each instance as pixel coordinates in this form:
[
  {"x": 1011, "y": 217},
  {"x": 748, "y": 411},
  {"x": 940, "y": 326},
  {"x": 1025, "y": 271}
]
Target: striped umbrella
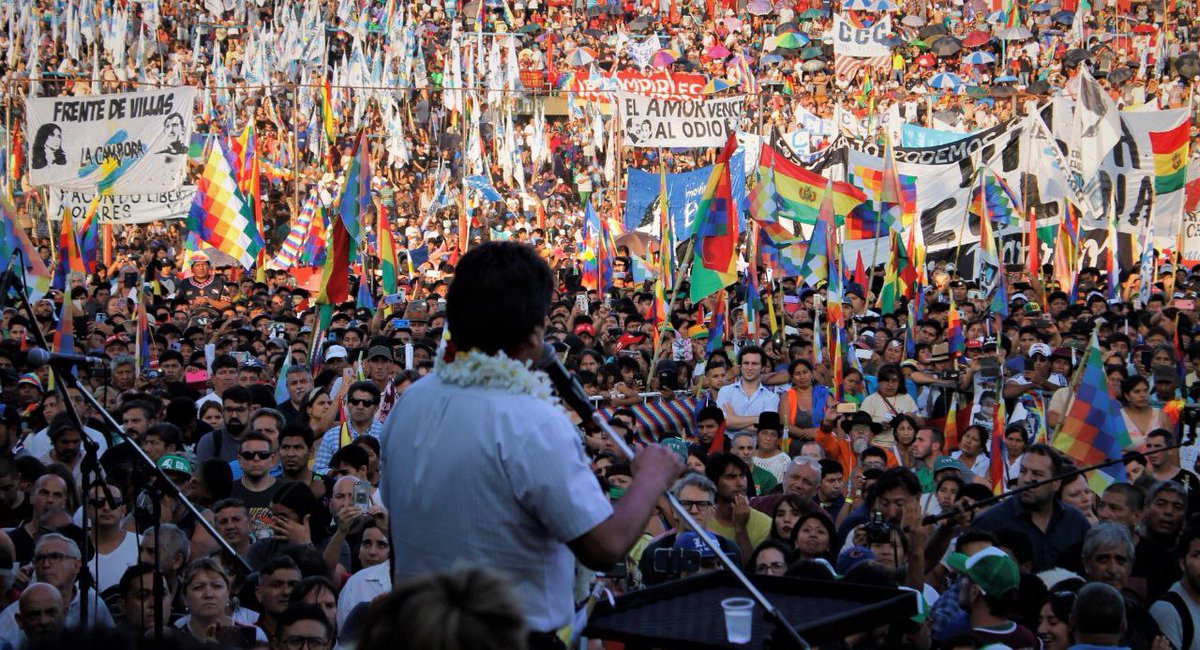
[
  {"x": 979, "y": 58},
  {"x": 946, "y": 81}
]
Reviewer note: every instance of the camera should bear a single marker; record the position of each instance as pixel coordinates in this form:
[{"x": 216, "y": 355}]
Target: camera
[{"x": 878, "y": 530}]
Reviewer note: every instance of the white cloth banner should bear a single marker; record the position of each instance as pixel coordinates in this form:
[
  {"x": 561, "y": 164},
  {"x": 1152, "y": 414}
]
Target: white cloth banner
[
  {"x": 655, "y": 122},
  {"x": 130, "y": 143},
  {"x": 123, "y": 208},
  {"x": 864, "y": 42}
]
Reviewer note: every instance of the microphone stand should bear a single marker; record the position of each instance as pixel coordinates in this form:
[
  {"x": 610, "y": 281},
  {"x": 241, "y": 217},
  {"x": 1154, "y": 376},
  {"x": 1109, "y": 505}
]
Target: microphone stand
[
  {"x": 959, "y": 509},
  {"x": 89, "y": 462},
  {"x": 165, "y": 486},
  {"x": 571, "y": 392}
]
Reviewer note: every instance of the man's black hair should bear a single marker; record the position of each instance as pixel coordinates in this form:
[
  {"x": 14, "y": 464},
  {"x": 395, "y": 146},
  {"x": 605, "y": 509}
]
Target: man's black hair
[
  {"x": 890, "y": 479},
  {"x": 298, "y": 430},
  {"x": 718, "y": 463},
  {"x": 351, "y": 455},
  {"x": 500, "y": 294},
  {"x": 296, "y": 612}
]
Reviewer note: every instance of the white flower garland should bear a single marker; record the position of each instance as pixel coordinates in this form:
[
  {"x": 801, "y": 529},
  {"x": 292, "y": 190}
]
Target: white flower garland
[{"x": 475, "y": 368}]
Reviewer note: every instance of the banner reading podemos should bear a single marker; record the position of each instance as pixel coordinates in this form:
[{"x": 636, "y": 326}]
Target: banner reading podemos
[
  {"x": 129, "y": 143},
  {"x": 653, "y": 122}
]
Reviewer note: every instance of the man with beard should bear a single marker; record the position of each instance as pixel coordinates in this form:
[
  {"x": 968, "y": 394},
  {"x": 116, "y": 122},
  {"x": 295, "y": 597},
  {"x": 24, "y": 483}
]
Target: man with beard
[
  {"x": 223, "y": 443},
  {"x": 66, "y": 445},
  {"x": 1038, "y": 514}
]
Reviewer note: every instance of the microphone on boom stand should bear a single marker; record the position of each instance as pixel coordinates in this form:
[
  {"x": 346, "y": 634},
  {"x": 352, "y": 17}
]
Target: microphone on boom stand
[{"x": 571, "y": 392}]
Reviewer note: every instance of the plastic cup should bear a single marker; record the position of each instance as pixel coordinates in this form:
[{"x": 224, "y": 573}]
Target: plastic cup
[{"x": 739, "y": 619}]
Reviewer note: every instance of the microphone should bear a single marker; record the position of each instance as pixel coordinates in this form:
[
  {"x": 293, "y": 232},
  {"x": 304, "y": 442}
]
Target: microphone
[
  {"x": 570, "y": 391},
  {"x": 38, "y": 357}
]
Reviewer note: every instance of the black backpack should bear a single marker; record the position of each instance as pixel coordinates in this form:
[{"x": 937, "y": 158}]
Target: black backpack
[{"x": 1187, "y": 627}]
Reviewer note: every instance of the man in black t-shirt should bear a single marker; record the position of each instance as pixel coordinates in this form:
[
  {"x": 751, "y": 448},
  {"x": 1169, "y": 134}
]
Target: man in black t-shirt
[{"x": 257, "y": 456}]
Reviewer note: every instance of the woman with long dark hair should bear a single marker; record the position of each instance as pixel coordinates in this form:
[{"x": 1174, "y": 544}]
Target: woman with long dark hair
[{"x": 48, "y": 147}]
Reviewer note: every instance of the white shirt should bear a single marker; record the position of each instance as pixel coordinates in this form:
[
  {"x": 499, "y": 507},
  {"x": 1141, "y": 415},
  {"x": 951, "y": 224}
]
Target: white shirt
[
  {"x": 38, "y": 444},
  {"x": 108, "y": 568},
  {"x": 763, "y": 399},
  {"x": 363, "y": 587},
  {"x": 98, "y": 617},
  {"x": 476, "y": 474}
]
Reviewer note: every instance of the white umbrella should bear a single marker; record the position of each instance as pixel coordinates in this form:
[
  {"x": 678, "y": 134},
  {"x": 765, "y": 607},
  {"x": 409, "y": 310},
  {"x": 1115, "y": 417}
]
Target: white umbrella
[
  {"x": 1017, "y": 33},
  {"x": 580, "y": 57},
  {"x": 913, "y": 20}
]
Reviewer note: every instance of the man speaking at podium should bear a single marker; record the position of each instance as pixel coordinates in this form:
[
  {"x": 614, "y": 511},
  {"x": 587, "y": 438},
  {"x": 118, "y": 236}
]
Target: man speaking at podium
[{"x": 483, "y": 467}]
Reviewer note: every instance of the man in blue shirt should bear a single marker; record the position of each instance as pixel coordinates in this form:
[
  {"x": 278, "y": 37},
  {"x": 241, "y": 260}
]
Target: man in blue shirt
[{"x": 1050, "y": 525}]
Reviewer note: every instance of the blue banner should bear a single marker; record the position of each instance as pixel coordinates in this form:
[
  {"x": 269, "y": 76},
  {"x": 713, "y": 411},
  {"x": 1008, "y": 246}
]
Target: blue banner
[
  {"x": 684, "y": 190},
  {"x": 912, "y": 135}
]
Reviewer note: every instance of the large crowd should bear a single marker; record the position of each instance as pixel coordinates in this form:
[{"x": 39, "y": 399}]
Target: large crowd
[{"x": 269, "y": 421}]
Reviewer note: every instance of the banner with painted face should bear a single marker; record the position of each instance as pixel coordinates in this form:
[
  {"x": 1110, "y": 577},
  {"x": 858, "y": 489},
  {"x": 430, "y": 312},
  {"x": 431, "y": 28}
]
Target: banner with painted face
[
  {"x": 684, "y": 191},
  {"x": 123, "y": 208},
  {"x": 129, "y": 143},
  {"x": 852, "y": 39},
  {"x": 655, "y": 122}
]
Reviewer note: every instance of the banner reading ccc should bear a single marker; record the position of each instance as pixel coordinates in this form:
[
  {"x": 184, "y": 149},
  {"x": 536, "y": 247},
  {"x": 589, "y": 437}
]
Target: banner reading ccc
[{"x": 653, "y": 122}]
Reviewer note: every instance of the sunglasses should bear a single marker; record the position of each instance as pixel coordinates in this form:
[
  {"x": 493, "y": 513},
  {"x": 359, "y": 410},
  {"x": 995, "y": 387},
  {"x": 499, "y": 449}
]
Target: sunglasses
[
  {"x": 252, "y": 455},
  {"x": 96, "y": 503},
  {"x": 361, "y": 402}
]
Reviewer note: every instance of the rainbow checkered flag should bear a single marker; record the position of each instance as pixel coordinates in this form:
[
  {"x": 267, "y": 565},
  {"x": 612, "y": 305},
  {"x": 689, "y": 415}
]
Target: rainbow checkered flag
[
  {"x": 1094, "y": 430},
  {"x": 220, "y": 215}
]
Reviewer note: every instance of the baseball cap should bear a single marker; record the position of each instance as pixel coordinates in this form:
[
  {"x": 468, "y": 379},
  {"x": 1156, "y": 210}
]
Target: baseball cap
[
  {"x": 1165, "y": 373},
  {"x": 948, "y": 462},
  {"x": 585, "y": 328},
  {"x": 992, "y": 570},
  {"x": 676, "y": 445},
  {"x": 690, "y": 541},
  {"x": 852, "y": 557},
  {"x": 174, "y": 463},
  {"x": 335, "y": 352},
  {"x": 629, "y": 339},
  {"x": 1042, "y": 349},
  {"x": 377, "y": 351}
]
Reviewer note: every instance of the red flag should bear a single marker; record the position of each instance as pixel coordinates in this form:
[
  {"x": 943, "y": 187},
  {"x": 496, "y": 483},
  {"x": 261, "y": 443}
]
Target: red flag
[{"x": 860, "y": 273}]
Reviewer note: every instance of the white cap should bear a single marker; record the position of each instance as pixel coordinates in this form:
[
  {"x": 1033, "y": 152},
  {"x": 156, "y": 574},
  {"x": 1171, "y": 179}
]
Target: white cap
[
  {"x": 335, "y": 352},
  {"x": 1042, "y": 349}
]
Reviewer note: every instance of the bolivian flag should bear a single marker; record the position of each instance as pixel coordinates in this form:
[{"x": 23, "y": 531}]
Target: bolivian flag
[{"x": 1170, "y": 158}]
